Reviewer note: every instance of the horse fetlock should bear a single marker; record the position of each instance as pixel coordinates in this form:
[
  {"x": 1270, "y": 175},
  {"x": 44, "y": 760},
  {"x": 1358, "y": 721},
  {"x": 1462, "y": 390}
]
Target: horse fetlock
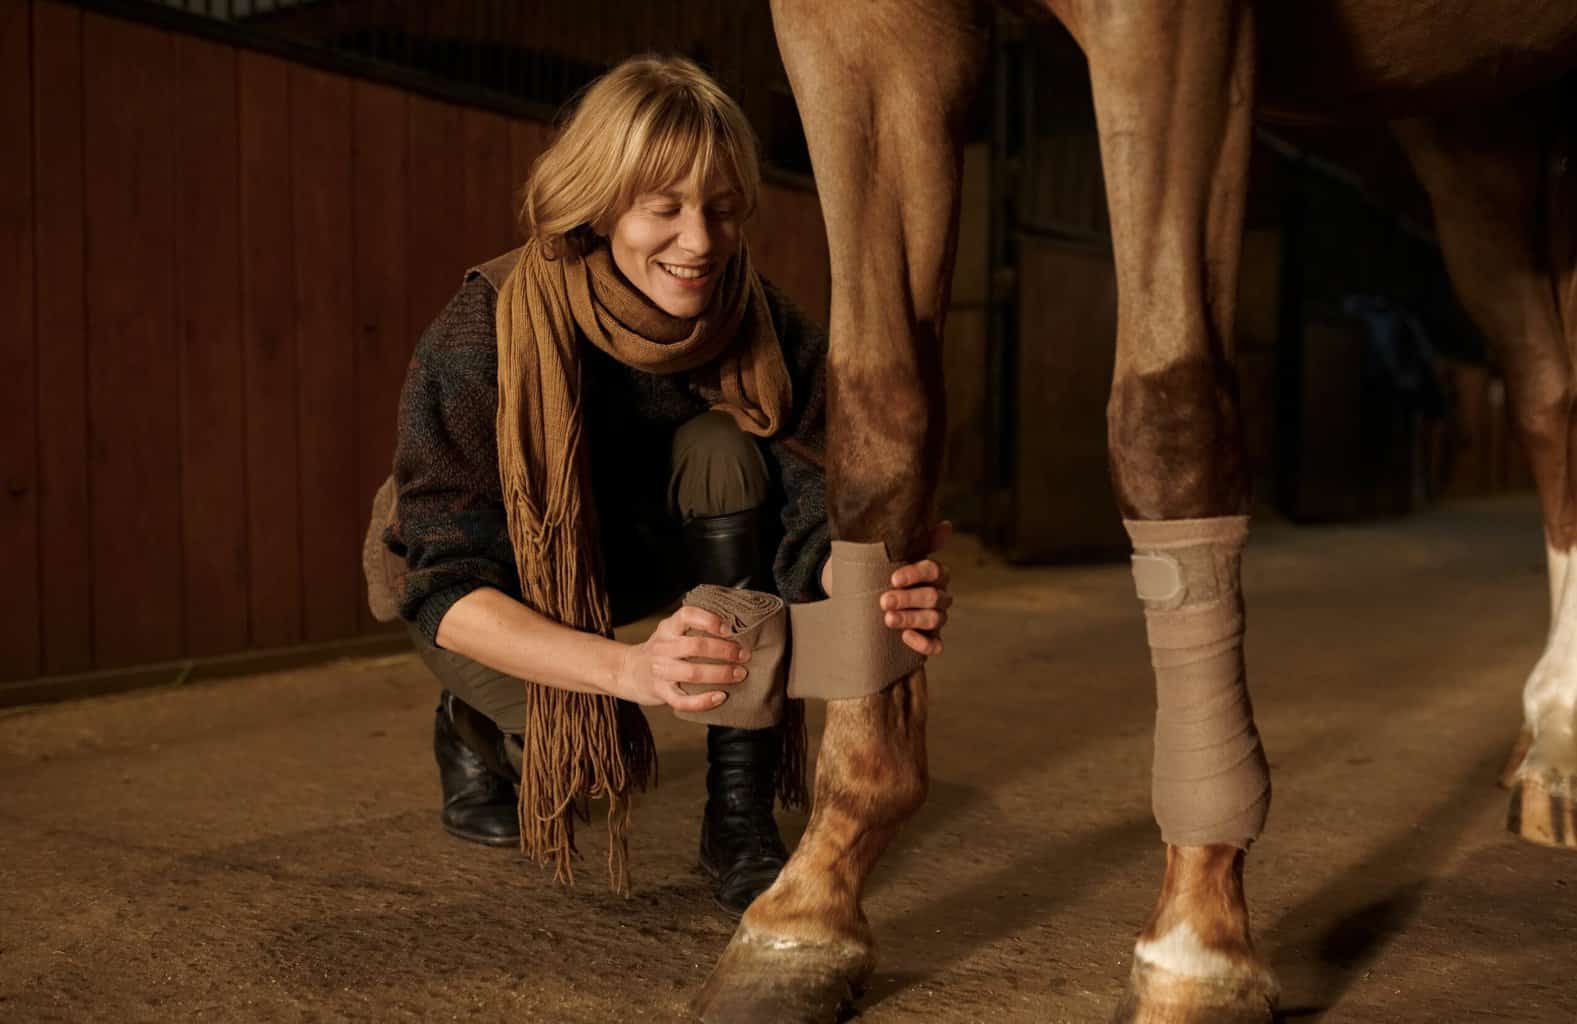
[
  {"x": 1544, "y": 791},
  {"x": 1552, "y": 757}
]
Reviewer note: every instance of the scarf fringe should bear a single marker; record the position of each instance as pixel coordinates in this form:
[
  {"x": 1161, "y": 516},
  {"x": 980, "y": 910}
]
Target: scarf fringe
[{"x": 579, "y": 746}]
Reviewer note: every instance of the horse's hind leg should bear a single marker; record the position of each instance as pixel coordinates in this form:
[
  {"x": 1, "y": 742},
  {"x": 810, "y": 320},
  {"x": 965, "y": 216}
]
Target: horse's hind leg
[
  {"x": 1174, "y": 87},
  {"x": 1504, "y": 191}
]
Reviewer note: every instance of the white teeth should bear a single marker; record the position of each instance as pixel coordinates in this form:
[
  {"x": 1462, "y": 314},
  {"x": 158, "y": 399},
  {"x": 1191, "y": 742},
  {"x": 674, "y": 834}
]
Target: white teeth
[{"x": 684, "y": 273}]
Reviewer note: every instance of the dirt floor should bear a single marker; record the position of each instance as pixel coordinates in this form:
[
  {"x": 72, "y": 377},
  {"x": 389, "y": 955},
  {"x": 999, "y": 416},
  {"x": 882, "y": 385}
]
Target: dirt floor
[{"x": 267, "y": 849}]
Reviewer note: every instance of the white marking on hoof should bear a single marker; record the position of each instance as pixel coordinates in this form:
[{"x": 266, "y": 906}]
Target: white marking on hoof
[
  {"x": 785, "y": 944},
  {"x": 1180, "y": 951},
  {"x": 1549, "y": 700}
]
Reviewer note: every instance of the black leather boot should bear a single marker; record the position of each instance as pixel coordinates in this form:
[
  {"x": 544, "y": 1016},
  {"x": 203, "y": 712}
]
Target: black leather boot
[
  {"x": 740, "y": 845},
  {"x": 479, "y": 798},
  {"x": 725, "y": 550}
]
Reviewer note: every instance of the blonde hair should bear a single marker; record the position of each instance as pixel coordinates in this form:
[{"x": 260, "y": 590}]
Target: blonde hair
[{"x": 642, "y": 126}]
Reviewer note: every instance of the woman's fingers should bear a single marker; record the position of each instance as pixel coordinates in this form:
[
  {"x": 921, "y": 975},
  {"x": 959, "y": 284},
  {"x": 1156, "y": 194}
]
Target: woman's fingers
[
  {"x": 916, "y": 597},
  {"x": 930, "y": 646},
  {"x": 676, "y": 670},
  {"x": 706, "y": 647},
  {"x": 915, "y": 573},
  {"x": 681, "y": 701},
  {"x": 927, "y": 619}
]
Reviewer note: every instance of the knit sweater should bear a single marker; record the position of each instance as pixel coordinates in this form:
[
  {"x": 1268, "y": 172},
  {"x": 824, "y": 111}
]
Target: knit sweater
[{"x": 451, "y": 526}]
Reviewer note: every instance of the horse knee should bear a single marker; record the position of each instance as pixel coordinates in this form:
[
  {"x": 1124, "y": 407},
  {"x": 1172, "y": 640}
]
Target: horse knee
[
  {"x": 884, "y": 454},
  {"x": 1175, "y": 441},
  {"x": 1542, "y": 409}
]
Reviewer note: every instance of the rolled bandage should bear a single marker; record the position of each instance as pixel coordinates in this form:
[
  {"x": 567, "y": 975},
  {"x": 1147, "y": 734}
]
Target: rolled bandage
[
  {"x": 756, "y": 621},
  {"x": 842, "y": 647},
  {"x": 1210, "y": 781}
]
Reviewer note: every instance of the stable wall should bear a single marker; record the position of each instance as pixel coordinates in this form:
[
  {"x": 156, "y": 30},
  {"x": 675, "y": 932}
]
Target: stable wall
[{"x": 214, "y": 264}]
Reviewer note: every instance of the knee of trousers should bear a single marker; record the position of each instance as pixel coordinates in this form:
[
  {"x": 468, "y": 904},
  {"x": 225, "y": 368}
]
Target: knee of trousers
[
  {"x": 718, "y": 469},
  {"x": 496, "y": 695}
]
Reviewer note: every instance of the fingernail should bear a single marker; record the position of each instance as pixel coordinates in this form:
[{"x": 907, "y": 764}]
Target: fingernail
[
  {"x": 739, "y": 674},
  {"x": 744, "y": 654},
  {"x": 718, "y": 698}
]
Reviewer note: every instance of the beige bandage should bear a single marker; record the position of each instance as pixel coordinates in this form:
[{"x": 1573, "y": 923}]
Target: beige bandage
[
  {"x": 757, "y": 621},
  {"x": 839, "y": 649},
  {"x": 1210, "y": 781},
  {"x": 842, "y": 647}
]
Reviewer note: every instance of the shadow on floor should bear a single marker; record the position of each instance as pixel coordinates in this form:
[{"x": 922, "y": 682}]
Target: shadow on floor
[{"x": 1325, "y": 944}]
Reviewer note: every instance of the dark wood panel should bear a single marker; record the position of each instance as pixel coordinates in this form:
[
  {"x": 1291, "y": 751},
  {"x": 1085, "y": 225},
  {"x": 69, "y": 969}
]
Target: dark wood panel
[
  {"x": 268, "y": 342},
  {"x": 964, "y": 487},
  {"x": 789, "y": 247},
  {"x": 489, "y": 174},
  {"x": 1063, "y": 505},
  {"x": 20, "y": 653},
  {"x": 208, "y": 267},
  {"x": 383, "y": 339},
  {"x": 527, "y": 140},
  {"x": 133, "y": 353},
  {"x": 439, "y": 249},
  {"x": 320, "y": 175},
  {"x": 64, "y": 524}
]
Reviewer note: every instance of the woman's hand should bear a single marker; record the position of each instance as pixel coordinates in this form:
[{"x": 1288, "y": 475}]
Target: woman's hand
[
  {"x": 919, "y": 600},
  {"x": 652, "y": 671}
]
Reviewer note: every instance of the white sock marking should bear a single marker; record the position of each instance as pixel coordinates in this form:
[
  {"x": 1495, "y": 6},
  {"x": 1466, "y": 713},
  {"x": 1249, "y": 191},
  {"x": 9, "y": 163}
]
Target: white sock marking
[{"x": 1180, "y": 952}]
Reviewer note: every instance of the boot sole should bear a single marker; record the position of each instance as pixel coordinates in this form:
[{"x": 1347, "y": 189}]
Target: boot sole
[
  {"x": 481, "y": 840},
  {"x": 716, "y": 876}
]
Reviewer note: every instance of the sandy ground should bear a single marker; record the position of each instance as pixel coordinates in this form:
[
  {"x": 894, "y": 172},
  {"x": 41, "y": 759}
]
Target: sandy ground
[{"x": 267, "y": 849}]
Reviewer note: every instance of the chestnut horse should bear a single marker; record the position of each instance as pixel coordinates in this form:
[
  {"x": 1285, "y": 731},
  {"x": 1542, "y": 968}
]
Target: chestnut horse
[{"x": 882, "y": 86}]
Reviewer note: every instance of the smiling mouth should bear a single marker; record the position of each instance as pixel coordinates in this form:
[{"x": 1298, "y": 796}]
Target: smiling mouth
[{"x": 684, "y": 273}]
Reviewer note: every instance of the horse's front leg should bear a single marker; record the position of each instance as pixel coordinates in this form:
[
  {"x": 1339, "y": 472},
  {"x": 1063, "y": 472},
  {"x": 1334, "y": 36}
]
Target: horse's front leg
[
  {"x": 1173, "y": 86},
  {"x": 881, "y": 87}
]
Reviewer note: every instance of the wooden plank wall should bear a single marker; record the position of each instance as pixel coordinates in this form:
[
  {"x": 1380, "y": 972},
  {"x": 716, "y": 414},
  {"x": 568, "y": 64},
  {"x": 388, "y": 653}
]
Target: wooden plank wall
[{"x": 214, "y": 265}]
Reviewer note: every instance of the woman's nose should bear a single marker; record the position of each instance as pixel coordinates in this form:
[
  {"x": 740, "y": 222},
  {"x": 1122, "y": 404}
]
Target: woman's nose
[{"x": 695, "y": 232}]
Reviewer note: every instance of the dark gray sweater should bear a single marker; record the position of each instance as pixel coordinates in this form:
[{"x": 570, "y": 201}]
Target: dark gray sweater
[{"x": 451, "y": 524}]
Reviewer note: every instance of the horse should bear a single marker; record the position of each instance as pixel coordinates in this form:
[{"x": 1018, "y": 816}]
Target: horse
[{"x": 1476, "y": 96}]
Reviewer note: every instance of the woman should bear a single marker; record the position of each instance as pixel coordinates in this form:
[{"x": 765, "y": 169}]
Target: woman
[{"x": 596, "y": 422}]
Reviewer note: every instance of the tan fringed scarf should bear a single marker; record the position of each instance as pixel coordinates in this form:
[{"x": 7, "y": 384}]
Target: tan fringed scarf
[{"x": 581, "y": 746}]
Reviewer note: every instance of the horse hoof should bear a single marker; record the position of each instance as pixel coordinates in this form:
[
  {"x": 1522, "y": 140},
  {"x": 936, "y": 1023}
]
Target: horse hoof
[
  {"x": 760, "y": 979},
  {"x": 1519, "y": 753},
  {"x": 1156, "y": 995},
  {"x": 1543, "y": 811}
]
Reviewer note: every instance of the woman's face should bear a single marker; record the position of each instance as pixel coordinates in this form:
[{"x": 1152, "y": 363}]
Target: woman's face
[{"x": 672, "y": 244}]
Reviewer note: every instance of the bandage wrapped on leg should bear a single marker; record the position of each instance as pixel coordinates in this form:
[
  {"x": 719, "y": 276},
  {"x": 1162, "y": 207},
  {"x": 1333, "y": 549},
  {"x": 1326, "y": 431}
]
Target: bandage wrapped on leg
[
  {"x": 1210, "y": 781},
  {"x": 838, "y": 649}
]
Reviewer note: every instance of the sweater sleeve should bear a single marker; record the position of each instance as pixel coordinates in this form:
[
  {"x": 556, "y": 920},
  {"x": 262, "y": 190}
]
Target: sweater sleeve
[
  {"x": 450, "y": 523},
  {"x": 799, "y": 452}
]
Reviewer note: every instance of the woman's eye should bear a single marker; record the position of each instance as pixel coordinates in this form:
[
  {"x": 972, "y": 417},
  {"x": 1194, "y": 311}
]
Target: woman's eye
[{"x": 665, "y": 210}]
